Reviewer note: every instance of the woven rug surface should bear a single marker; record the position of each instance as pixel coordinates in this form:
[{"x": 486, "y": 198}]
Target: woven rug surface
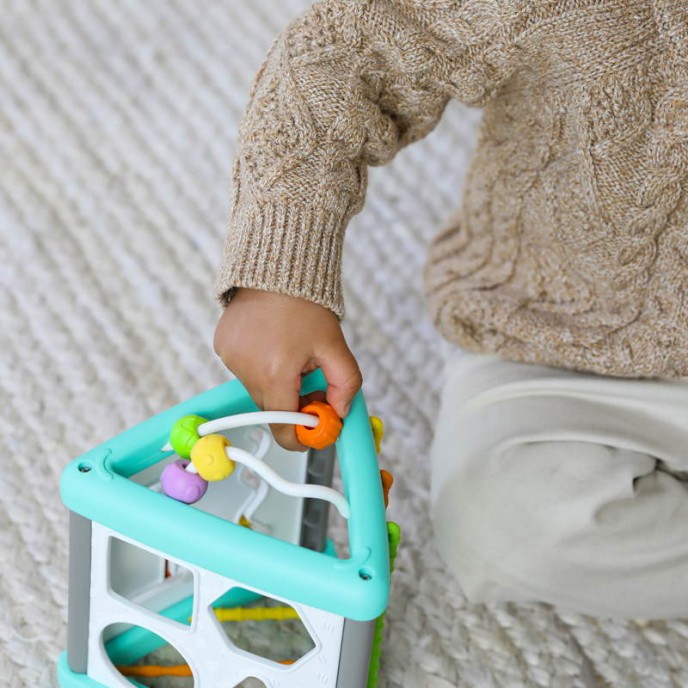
[{"x": 117, "y": 126}]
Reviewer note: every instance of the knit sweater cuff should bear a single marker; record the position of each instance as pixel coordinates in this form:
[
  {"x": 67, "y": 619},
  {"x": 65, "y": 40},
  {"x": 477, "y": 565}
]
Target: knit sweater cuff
[{"x": 284, "y": 248}]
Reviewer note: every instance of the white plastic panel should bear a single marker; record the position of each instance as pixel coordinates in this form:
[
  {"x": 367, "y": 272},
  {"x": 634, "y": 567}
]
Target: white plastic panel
[{"x": 213, "y": 659}]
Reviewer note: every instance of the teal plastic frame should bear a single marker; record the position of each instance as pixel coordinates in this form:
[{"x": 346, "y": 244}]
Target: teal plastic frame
[
  {"x": 66, "y": 678},
  {"x": 96, "y": 485}
]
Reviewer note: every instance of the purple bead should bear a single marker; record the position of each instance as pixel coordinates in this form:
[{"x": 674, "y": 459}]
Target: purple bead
[{"x": 180, "y": 484}]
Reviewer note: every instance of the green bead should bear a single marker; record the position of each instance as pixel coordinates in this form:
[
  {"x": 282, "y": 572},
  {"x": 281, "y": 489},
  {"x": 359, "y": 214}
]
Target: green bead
[{"x": 185, "y": 434}]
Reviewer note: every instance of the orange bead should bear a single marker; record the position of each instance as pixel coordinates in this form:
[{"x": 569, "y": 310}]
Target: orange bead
[
  {"x": 325, "y": 432},
  {"x": 387, "y": 481}
]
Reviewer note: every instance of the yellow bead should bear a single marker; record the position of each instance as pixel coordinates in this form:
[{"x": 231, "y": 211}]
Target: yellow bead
[
  {"x": 210, "y": 458},
  {"x": 378, "y": 431}
]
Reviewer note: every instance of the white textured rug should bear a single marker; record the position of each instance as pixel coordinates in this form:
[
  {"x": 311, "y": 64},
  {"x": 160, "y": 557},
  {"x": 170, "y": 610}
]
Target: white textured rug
[{"x": 117, "y": 123}]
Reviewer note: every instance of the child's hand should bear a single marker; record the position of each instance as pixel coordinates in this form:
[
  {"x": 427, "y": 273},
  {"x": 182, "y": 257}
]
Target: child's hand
[{"x": 269, "y": 341}]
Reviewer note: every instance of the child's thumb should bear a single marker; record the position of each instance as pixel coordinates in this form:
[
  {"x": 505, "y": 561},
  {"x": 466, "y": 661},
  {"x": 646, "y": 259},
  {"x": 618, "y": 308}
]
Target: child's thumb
[{"x": 344, "y": 379}]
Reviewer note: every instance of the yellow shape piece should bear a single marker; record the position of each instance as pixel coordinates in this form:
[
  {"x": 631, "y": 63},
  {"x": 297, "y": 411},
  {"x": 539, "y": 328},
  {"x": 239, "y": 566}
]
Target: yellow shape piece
[
  {"x": 210, "y": 458},
  {"x": 378, "y": 428},
  {"x": 256, "y": 613},
  {"x": 243, "y": 521}
]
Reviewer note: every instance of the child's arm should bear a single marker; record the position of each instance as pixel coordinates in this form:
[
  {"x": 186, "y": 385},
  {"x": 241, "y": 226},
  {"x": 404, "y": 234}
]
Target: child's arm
[{"x": 345, "y": 86}]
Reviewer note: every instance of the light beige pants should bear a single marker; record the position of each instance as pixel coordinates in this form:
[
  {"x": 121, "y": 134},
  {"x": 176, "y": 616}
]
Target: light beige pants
[{"x": 563, "y": 487}]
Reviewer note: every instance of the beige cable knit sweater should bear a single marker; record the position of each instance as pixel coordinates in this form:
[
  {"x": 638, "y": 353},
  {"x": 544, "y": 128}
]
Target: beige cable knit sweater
[{"x": 571, "y": 245}]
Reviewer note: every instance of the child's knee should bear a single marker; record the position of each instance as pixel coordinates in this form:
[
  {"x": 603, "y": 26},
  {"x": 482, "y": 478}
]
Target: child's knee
[
  {"x": 492, "y": 551},
  {"x": 514, "y": 527}
]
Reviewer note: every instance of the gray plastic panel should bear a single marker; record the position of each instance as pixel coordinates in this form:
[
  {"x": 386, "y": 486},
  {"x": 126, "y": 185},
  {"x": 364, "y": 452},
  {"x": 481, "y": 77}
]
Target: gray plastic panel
[
  {"x": 79, "y": 592},
  {"x": 354, "y": 663},
  {"x": 316, "y": 511}
]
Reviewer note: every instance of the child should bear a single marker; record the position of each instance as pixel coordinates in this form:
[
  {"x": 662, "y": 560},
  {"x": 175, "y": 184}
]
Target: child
[{"x": 557, "y": 463}]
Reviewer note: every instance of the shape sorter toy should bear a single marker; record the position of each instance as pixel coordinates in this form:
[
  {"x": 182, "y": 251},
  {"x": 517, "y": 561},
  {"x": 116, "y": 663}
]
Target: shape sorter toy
[{"x": 180, "y": 522}]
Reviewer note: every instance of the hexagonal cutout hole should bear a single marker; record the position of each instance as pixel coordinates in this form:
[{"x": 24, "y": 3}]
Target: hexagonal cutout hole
[
  {"x": 251, "y": 683},
  {"x": 151, "y": 581},
  {"x": 265, "y": 627},
  {"x": 163, "y": 666}
]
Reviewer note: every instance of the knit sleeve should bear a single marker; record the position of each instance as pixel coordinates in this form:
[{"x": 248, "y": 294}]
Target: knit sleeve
[{"x": 346, "y": 85}]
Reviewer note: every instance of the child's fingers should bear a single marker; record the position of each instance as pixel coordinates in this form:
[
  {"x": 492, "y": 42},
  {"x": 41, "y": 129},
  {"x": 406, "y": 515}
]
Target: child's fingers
[
  {"x": 344, "y": 379},
  {"x": 283, "y": 396},
  {"x": 318, "y": 395}
]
